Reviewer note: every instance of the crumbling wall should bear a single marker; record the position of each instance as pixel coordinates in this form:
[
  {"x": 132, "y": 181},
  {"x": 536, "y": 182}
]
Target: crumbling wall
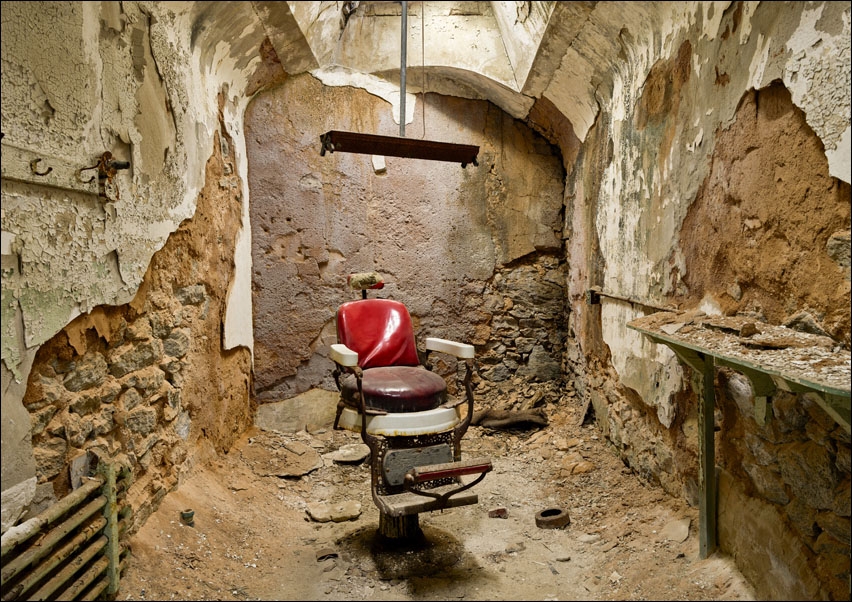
[
  {"x": 708, "y": 181},
  {"x": 770, "y": 177},
  {"x": 474, "y": 252},
  {"x": 87, "y": 87},
  {"x": 784, "y": 492},
  {"x": 144, "y": 384},
  {"x": 762, "y": 235}
]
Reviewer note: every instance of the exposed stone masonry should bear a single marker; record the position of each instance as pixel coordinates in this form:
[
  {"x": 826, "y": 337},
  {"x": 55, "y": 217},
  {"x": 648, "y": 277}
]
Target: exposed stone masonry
[
  {"x": 796, "y": 466},
  {"x": 125, "y": 390},
  {"x": 140, "y": 384},
  {"x": 794, "y": 471},
  {"x": 526, "y": 309}
]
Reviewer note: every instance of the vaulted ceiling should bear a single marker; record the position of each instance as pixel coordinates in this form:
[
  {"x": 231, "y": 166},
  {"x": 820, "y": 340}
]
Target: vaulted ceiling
[{"x": 510, "y": 53}]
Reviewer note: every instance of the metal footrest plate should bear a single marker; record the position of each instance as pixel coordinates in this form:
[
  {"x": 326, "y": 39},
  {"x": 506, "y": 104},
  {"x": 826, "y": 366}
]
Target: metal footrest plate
[{"x": 403, "y": 504}]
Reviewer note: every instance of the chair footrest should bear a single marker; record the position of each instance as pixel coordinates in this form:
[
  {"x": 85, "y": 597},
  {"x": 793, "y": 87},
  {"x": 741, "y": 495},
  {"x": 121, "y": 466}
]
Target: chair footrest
[
  {"x": 404, "y": 504},
  {"x": 433, "y": 472}
]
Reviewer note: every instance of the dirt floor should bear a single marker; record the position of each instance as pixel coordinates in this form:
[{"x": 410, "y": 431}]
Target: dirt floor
[{"x": 253, "y": 537}]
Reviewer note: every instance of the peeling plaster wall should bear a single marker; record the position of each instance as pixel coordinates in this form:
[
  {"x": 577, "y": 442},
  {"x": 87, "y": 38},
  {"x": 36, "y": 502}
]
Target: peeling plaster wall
[
  {"x": 137, "y": 79},
  {"x": 71, "y": 249},
  {"x": 147, "y": 385},
  {"x": 463, "y": 35},
  {"x": 452, "y": 48},
  {"x": 646, "y": 89},
  {"x": 640, "y": 211},
  {"x": 523, "y": 25},
  {"x": 650, "y": 160}
]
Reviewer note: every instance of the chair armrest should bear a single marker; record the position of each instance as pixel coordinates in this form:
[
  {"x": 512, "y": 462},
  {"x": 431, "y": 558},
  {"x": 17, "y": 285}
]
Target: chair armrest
[
  {"x": 461, "y": 350},
  {"x": 343, "y": 355}
]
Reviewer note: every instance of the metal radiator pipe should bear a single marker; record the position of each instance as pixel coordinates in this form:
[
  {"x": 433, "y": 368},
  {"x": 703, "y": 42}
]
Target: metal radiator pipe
[
  {"x": 34, "y": 525},
  {"x": 87, "y": 579},
  {"x": 98, "y": 588},
  {"x": 64, "y": 576},
  {"x": 45, "y": 546},
  {"x": 66, "y": 557},
  {"x": 59, "y": 555}
]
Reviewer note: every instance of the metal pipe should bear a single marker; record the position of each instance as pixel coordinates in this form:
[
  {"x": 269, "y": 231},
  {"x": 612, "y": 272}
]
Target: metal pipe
[
  {"x": 111, "y": 531},
  {"x": 85, "y": 580},
  {"x": 59, "y": 555},
  {"x": 35, "y": 525},
  {"x": 45, "y": 568},
  {"x": 402, "y": 61},
  {"x": 97, "y": 589},
  {"x": 63, "y": 577},
  {"x": 45, "y": 546},
  {"x": 50, "y": 562}
]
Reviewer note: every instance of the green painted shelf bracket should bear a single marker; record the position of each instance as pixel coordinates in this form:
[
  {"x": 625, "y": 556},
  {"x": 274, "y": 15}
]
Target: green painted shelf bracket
[{"x": 765, "y": 382}]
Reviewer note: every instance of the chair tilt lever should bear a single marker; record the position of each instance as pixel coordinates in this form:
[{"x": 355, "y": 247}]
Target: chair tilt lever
[
  {"x": 433, "y": 472},
  {"x": 449, "y": 470}
]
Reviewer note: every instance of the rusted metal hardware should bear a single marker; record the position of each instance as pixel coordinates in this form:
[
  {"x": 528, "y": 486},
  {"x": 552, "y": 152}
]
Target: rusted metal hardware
[
  {"x": 450, "y": 470},
  {"x": 107, "y": 169},
  {"x": 35, "y": 170},
  {"x": 411, "y": 148}
]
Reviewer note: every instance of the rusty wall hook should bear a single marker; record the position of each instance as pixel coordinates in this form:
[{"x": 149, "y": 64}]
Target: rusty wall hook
[
  {"x": 107, "y": 168},
  {"x": 35, "y": 170},
  {"x": 80, "y": 173}
]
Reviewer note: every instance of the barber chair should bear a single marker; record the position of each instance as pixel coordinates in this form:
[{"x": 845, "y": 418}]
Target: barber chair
[{"x": 401, "y": 408}]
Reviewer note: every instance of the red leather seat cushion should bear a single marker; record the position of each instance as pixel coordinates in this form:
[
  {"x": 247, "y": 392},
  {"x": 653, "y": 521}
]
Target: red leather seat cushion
[{"x": 397, "y": 389}]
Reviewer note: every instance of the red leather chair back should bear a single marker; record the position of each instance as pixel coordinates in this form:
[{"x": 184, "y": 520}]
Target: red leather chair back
[{"x": 379, "y": 331}]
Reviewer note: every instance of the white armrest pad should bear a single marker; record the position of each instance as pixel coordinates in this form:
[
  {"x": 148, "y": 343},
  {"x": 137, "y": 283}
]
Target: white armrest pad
[
  {"x": 343, "y": 355},
  {"x": 461, "y": 350}
]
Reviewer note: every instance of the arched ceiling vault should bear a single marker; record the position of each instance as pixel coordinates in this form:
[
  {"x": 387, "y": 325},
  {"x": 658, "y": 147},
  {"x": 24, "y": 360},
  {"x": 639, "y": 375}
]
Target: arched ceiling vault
[{"x": 510, "y": 53}]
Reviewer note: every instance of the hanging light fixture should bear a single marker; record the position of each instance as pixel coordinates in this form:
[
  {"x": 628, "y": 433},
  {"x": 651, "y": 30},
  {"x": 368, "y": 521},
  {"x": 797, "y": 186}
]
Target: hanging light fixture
[{"x": 372, "y": 144}]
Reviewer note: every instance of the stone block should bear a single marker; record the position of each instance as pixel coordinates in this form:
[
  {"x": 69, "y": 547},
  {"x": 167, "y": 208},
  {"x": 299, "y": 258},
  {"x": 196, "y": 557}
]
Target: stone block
[
  {"x": 79, "y": 467},
  {"x": 313, "y": 409},
  {"x": 15, "y": 500},
  {"x": 191, "y": 295},
  {"x": 130, "y": 358},
  {"x": 89, "y": 372},
  {"x": 177, "y": 343},
  {"x": 50, "y": 457},
  {"x": 142, "y": 420}
]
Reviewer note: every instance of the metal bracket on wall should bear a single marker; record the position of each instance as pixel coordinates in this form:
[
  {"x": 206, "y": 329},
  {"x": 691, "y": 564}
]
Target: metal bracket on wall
[
  {"x": 594, "y": 294},
  {"x": 40, "y": 169},
  {"x": 107, "y": 169}
]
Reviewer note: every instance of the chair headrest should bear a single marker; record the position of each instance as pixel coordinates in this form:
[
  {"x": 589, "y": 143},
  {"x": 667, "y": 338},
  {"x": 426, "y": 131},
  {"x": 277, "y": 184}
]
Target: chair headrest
[{"x": 365, "y": 280}]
